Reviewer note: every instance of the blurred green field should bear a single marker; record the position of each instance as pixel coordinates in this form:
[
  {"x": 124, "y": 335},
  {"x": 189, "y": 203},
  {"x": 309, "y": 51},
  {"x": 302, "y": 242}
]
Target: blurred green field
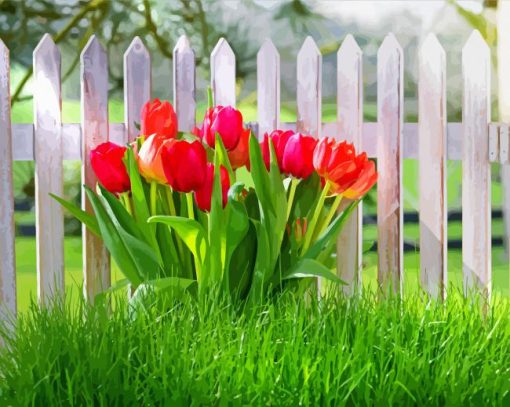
[{"x": 25, "y": 246}]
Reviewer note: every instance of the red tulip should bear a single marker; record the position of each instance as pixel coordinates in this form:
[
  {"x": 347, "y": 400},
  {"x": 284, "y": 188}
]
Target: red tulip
[
  {"x": 240, "y": 156},
  {"x": 106, "y": 161},
  {"x": 184, "y": 165},
  {"x": 298, "y": 155},
  {"x": 203, "y": 195},
  {"x": 158, "y": 118},
  {"x": 226, "y": 121},
  {"x": 149, "y": 159},
  {"x": 279, "y": 138}
]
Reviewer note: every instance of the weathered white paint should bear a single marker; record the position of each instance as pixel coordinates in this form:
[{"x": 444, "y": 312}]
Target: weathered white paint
[
  {"x": 268, "y": 88},
  {"x": 137, "y": 85},
  {"x": 493, "y": 142},
  {"x": 476, "y": 177},
  {"x": 94, "y": 105},
  {"x": 350, "y": 128},
  {"x": 48, "y": 169},
  {"x": 184, "y": 84},
  {"x": 504, "y": 144},
  {"x": 432, "y": 179},
  {"x": 309, "y": 89},
  {"x": 503, "y": 27},
  {"x": 223, "y": 74},
  {"x": 390, "y": 100},
  {"x": 7, "y": 258}
]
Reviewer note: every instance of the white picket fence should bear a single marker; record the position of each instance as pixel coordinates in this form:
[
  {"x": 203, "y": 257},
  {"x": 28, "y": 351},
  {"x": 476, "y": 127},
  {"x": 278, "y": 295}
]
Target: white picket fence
[{"x": 432, "y": 140}]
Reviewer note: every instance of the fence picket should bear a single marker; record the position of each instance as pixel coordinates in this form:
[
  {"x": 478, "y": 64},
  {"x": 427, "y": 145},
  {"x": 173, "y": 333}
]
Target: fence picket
[
  {"x": 7, "y": 246},
  {"x": 390, "y": 100},
  {"x": 309, "y": 88},
  {"x": 223, "y": 74},
  {"x": 476, "y": 176},
  {"x": 48, "y": 169},
  {"x": 94, "y": 104},
  {"x": 350, "y": 127},
  {"x": 184, "y": 84},
  {"x": 268, "y": 88},
  {"x": 137, "y": 85},
  {"x": 432, "y": 180}
]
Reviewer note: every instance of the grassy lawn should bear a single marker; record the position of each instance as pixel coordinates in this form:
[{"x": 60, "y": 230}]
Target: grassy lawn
[{"x": 288, "y": 352}]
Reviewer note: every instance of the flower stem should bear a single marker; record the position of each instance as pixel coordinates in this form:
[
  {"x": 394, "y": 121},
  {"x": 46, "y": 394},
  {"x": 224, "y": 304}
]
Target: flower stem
[
  {"x": 332, "y": 211},
  {"x": 127, "y": 202},
  {"x": 318, "y": 209},
  {"x": 293, "y": 185},
  {"x": 189, "y": 201},
  {"x": 170, "y": 201},
  {"x": 153, "y": 195},
  {"x": 210, "y": 102}
]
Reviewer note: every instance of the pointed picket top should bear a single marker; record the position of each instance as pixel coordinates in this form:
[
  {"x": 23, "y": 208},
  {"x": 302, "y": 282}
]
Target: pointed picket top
[
  {"x": 92, "y": 48},
  {"x": 389, "y": 46},
  {"x": 3, "y": 47},
  {"x": 268, "y": 87},
  {"x": 349, "y": 48},
  {"x": 45, "y": 45},
  {"x": 182, "y": 43},
  {"x": 223, "y": 73},
  {"x": 432, "y": 55},
  {"x": 137, "y": 85},
  {"x": 309, "y": 88},
  {"x": 475, "y": 44},
  {"x": 431, "y": 46},
  {"x": 184, "y": 83}
]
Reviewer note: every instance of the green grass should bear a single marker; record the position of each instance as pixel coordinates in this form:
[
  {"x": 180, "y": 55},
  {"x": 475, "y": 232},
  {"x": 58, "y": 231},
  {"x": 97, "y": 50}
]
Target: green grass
[{"x": 289, "y": 352}]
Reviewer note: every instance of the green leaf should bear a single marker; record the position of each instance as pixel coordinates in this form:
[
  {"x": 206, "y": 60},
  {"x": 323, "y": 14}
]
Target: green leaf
[
  {"x": 86, "y": 218},
  {"x": 330, "y": 234},
  {"x": 242, "y": 262},
  {"x": 113, "y": 241},
  {"x": 262, "y": 269},
  {"x": 260, "y": 176},
  {"x": 307, "y": 192},
  {"x": 190, "y": 231},
  {"x": 311, "y": 268},
  {"x": 221, "y": 151}
]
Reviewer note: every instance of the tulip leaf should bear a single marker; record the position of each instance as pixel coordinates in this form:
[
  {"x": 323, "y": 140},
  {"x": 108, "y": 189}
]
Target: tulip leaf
[
  {"x": 242, "y": 262},
  {"x": 190, "y": 231},
  {"x": 260, "y": 176},
  {"x": 262, "y": 267},
  {"x": 217, "y": 238},
  {"x": 113, "y": 241},
  {"x": 307, "y": 192},
  {"x": 311, "y": 268},
  {"x": 86, "y": 218},
  {"x": 220, "y": 149},
  {"x": 330, "y": 234}
]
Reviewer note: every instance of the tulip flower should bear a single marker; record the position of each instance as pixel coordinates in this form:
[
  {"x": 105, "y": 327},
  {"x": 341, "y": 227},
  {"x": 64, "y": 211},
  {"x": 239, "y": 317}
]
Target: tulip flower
[
  {"x": 204, "y": 194},
  {"x": 184, "y": 165},
  {"x": 298, "y": 155},
  {"x": 365, "y": 178},
  {"x": 240, "y": 156},
  {"x": 330, "y": 158},
  {"x": 226, "y": 121},
  {"x": 158, "y": 118},
  {"x": 106, "y": 160},
  {"x": 149, "y": 159},
  {"x": 279, "y": 139}
]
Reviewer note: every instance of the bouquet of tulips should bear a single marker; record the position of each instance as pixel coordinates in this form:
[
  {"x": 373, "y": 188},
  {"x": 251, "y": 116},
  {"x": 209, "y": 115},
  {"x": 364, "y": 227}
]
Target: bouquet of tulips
[{"x": 216, "y": 207}]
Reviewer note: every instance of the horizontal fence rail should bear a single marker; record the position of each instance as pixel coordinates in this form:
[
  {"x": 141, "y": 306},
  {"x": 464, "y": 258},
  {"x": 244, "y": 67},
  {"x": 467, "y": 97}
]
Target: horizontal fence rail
[{"x": 432, "y": 141}]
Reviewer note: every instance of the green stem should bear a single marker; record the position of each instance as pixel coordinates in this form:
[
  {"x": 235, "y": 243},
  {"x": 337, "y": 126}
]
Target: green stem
[
  {"x": 189, "y": 201},
  {"x": 153, "y": 196},
  {"x": 170, "y": 201},
  {"x": 316, "y": 214},
  {"x": 124, "y": 198},
  {"x": 329, "y": 217},
  {"x": 210, "y": 102},
  {"x": 293, "y": 185}
]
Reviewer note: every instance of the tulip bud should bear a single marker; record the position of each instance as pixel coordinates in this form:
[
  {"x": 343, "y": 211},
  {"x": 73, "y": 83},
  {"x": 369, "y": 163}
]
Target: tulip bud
[
  {"x": 204, "y": 194},
  {"x": 158, "y": 118},
  {"x": 279, "y": 139},
  {"x": 298, "y": 155},
  {"x": 106, "y": 160},
  {"x": 184, "y": 165}
]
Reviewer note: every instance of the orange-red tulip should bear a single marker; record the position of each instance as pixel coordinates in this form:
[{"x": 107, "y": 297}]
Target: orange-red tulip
[
  {"x": 366, "y": 177},
  {"x": 240, "y": 156},
  {"x": 149, "y": 159},
  {"x": 106, "y": 161},
  {"x": 184, "y": 165},
  {"x": 204, "y": 194},
  {"x": 158, "y": 118}
]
